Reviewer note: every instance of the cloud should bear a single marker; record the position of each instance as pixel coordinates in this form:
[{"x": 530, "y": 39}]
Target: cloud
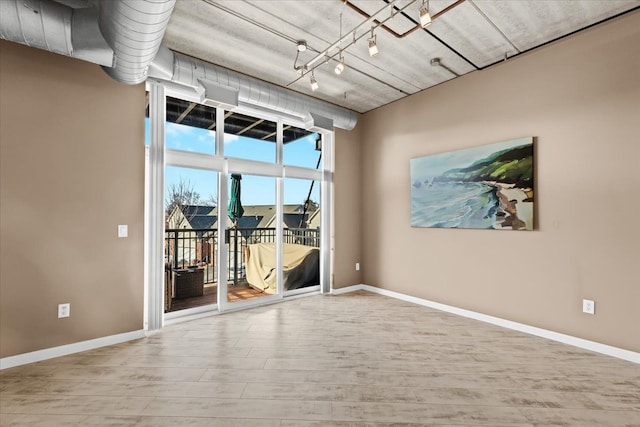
[
  {"x": 229, "y": 138},
  {"x": 174, "y": 129},
  {"x": 208, "y": 138}
]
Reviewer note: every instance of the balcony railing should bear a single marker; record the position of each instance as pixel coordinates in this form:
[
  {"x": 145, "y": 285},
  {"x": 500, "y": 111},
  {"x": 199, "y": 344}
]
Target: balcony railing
[{"x": 184, "y": 248}]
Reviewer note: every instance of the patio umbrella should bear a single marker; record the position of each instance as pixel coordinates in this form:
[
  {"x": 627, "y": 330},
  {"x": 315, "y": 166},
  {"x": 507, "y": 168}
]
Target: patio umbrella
[{"x": 235, "y": 204}]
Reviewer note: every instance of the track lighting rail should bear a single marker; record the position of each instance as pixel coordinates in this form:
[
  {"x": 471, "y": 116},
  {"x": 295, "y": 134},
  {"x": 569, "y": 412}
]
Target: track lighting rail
[
  {"x": 406, "y": 33},
  {"x": 352, "y": 37},
  {"x": 371, "y": 23}
]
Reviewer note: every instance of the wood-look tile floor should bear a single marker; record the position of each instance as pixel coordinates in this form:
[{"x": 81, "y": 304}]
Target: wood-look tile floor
[{"x": 355, "y": 360}]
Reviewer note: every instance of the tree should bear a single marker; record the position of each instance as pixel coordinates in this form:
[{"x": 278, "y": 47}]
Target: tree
[
  {"x": 308, "y": 207},
  {"x": 179, "y": 195},
  {"x": 212, "y": 200}
]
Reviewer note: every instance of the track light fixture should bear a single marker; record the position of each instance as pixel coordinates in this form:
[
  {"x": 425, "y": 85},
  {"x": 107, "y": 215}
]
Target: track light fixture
[
  {"x": 379, "y": 18},
  {"x": 314, "y": 83},
  {"x": 340, "y": 67},
  {"x": 425, "y": 17},
  {"x": 373, "y": 47}
]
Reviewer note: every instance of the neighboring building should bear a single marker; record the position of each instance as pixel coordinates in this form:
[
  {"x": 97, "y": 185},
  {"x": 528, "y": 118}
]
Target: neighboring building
[
  {"x": 198, "y": 217},
  {"x": 192, "y": 217},
  {"x": 257, "y": 225}
]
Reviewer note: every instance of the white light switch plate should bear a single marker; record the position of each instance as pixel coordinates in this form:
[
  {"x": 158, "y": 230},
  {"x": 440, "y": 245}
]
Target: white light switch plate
[{"x": 123, "y": 231}]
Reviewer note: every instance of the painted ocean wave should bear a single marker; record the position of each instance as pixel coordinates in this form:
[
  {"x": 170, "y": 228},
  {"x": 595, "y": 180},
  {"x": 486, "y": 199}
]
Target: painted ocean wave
[{"x": 454, "y": 205}]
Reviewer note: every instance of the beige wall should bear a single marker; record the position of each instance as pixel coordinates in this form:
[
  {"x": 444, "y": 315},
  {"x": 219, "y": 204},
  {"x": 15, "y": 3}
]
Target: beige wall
[
  {"x": 71, "y": 152},
  {"x": 580, "y": 98},
  {"x": 72, "y": 169},
  {"x": 347, "y": 232}
]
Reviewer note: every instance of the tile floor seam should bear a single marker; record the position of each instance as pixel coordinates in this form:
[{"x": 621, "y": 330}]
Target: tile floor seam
[{"x": 243, "y": 390}]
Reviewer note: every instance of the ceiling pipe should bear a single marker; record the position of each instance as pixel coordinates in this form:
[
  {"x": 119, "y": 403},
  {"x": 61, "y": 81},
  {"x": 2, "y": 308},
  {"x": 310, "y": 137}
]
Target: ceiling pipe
[
  {"x": 435, "y": 62},
  {"x": 45, "y": 24},
  {"x": 124, "y": 36},
  {"x": 134, "y": 30},
  {"x": 204, "y": 78}
]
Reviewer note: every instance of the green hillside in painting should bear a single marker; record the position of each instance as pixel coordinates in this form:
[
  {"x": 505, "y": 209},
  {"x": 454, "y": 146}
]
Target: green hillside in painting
[{"x": 511, "y": 166}]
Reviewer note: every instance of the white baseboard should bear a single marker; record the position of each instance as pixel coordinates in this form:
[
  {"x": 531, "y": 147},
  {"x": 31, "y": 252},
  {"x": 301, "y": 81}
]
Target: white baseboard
[
  {"x": 50, "y": 353},
  {"x": 619, "y": 353},
  {"x": 64, "y": 350},
  {"x": 347, "y": 289},
  {"x": 173, "y": 318}
]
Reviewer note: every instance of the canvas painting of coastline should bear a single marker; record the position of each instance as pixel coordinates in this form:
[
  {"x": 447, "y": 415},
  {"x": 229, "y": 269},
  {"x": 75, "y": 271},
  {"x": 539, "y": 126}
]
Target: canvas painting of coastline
[{"x": 489, "y": 187}]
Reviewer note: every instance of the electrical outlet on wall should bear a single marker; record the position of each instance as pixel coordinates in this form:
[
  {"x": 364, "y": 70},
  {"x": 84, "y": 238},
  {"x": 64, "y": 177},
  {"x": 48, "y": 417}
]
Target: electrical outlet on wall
[
  {"x": 588, "y": 306},
  {"x": 64, "y": 310},
  {"x": 357, "y": 266}
]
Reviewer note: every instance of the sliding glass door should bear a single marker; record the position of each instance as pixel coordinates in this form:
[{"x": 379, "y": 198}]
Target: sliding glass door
[
  {"x": 242, "y": 207},
  {"x": 251, "y": 238},
  {"x": 301, "y": 219}
]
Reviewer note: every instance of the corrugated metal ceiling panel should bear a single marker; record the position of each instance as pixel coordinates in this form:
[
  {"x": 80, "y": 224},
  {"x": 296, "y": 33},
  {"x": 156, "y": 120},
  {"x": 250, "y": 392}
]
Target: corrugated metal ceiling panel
[
  {"x": 258, "y": 38},
  {"x": 532, "y": 23}
]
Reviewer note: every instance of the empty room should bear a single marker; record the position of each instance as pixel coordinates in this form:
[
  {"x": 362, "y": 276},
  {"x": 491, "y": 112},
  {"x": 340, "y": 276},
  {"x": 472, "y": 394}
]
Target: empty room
[{"x": 335, "y": 213}]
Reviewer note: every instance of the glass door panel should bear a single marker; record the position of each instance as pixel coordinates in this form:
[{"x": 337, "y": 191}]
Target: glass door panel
[
  {"x": 251, "y": 237},
  {"x": 190, "y": 238},
  {"x": 301, "y": 235}
]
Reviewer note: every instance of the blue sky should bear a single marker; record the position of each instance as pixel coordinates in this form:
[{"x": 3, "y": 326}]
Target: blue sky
[{"x": 256, "y": 190}]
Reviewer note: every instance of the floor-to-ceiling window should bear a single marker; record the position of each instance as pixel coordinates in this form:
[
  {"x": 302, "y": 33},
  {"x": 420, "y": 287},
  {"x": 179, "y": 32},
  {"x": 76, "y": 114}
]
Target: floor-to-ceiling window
[{"x": 242, "y": 205}]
